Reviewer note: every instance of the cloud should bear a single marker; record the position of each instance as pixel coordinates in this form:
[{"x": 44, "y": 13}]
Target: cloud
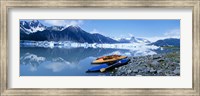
[
  {"x": 175, "y": 33},
  {"x": 131, "y": 35},
  {"x": 94, "y": 31},
  {"x": 64, "y": 22},
  {"x": 55, "y": 22},
  {"x": 75, "y": 23},
  {"x": 59, "y": 64}
]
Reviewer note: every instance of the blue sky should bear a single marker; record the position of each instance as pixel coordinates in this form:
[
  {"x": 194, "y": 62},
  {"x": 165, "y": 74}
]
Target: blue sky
[{"x": 124, "y": 28}]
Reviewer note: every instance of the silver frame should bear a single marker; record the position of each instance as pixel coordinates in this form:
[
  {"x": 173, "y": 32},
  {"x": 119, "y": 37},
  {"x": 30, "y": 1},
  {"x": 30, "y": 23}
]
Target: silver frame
[{"x": 5, "y": 5}]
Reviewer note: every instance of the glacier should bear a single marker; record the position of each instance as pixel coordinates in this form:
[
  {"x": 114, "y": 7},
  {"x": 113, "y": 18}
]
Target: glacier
[{"x": 69, "y": 44}]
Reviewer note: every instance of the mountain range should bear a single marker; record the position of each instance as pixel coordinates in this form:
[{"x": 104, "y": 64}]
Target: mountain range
[
  {"x": 167, "y": 42},
  {"x": 36, "y": 31}
]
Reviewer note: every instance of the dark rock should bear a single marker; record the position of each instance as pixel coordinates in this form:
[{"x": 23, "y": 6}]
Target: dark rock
[
  {"x": 152, "y": 70},
  {"x": 135, "y": 70},
  {"x": 156, "y": 56},
  {"x": 155, "y": 63},
  {"x": 176, "y": 71},
  {"x": 159, "y": 71},
  {"x": 129, "y": 71}
]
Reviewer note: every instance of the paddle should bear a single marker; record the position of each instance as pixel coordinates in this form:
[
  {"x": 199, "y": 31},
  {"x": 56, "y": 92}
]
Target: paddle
[
  {"x": 118, "y": 63},
  {"x": 104, "y": 69}
]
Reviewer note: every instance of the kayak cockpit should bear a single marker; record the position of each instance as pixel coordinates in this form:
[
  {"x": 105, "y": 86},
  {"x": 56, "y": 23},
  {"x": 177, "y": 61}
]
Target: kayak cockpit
[{"x": 107, "y": 59}]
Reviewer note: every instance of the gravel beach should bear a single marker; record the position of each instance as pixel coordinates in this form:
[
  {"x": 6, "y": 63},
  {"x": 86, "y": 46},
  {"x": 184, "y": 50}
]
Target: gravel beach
[{"x": 166, "y": 64}]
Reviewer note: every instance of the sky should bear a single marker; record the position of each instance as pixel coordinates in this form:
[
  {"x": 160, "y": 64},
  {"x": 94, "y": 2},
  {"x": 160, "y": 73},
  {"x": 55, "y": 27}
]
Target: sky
[{"x": 149, "y": 29}]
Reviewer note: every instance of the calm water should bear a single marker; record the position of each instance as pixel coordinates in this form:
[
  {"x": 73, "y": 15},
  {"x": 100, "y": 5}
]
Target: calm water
[{"x": 39, "y": 61}]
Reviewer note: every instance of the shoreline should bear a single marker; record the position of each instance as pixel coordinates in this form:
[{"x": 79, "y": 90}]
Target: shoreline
[{"x": 165, "y": 64}]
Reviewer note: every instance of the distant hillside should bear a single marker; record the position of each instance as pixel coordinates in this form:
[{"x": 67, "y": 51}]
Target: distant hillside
[{"x": 167, "y": 42}]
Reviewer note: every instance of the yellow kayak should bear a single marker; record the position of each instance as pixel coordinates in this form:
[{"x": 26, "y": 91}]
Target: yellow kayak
[{"x": 108, "y": 59}]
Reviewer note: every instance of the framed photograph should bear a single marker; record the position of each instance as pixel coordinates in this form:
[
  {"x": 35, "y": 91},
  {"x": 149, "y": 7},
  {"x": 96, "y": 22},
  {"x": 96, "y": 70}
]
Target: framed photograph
[{"x": 119, "y": 47}]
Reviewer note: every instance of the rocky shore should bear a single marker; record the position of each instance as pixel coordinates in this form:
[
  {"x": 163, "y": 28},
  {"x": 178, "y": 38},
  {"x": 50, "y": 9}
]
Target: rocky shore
[{"x": 166, "y": 64}]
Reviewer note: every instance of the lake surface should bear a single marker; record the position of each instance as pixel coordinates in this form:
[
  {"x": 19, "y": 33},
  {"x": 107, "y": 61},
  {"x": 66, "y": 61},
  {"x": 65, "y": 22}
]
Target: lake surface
[{"x": 40, "y": 61}]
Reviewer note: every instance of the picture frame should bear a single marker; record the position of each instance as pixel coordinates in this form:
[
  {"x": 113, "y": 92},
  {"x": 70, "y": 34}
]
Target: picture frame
[{"x": 7, "y": 4}]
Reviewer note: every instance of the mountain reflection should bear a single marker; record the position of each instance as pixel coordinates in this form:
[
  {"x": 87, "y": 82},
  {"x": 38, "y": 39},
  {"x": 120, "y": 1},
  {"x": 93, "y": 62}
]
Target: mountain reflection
[
  {"x": 58, "y": 59},
  {"x": 37, "y": 61},
  {"x": 70, "y": 55}
]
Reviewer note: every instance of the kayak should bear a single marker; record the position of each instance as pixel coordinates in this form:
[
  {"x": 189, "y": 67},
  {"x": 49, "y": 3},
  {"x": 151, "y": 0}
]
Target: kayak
[
  {"x": 97, "y": 68},
  {"x": 108, "y": 59},
  {"x": 106, "y": 66},
  {"x": 117, "y": 64}
]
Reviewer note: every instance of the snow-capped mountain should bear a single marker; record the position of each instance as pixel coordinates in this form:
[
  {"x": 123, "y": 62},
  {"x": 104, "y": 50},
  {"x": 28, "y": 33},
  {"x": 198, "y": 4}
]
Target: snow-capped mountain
[
  {"x": 142, "y": 40},
  {"x": 133, "y": 40},
  {"x": 32, "y": 26},
  {"x": 55, "y": 28},
  {"x": 36, "y": 31}
]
